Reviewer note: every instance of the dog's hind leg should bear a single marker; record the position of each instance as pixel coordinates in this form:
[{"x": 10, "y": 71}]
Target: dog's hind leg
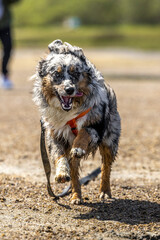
[{"x": 107, "y": 160}]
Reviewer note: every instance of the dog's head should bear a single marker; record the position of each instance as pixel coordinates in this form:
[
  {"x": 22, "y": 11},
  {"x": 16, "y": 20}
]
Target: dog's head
[{"x": 65, "y": 75}]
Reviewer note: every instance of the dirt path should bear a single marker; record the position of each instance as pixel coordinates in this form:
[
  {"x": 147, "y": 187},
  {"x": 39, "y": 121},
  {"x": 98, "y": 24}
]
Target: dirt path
[{"x": 26, "y": 210}]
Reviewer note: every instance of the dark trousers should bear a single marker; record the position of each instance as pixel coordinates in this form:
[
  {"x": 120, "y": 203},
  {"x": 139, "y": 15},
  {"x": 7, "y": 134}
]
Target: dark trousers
[{"x": 5, "y": 36}]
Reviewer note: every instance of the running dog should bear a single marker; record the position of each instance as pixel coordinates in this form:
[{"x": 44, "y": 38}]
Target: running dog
[{"x": 79, "y": 114}]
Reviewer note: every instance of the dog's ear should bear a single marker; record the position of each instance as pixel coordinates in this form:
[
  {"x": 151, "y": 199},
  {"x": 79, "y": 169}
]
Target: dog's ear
[
  {"x": 76, "y": 51},
  {"x": 42, "y": 68},
  {"x": 92, "y": 72},
  {"x": 56, "y": 46}
]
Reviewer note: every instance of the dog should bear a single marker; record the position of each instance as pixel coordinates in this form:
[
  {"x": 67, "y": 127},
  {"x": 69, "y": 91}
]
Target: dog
[{"x": 79, "y": 114}]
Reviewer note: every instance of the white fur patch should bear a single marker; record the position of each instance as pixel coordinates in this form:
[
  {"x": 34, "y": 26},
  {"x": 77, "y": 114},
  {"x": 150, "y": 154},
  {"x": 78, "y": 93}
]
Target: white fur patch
[
  {"x": 57, "y": 120},
  {"x": 66, "y": 132},
  {"x": 77, "y": 152},
  {"x": 62, "y": 167}
]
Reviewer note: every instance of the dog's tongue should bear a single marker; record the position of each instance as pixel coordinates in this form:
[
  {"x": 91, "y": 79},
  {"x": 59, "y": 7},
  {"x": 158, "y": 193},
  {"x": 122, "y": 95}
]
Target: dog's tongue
[
  {"x": 79, "y": 94},
  {"x": 66, "y": 100}
]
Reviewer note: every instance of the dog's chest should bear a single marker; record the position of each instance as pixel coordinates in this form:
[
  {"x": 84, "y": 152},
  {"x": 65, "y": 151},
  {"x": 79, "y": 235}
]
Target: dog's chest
[
  {"x": 58, "y": 122},
  {"x": 58, "y": 118},
  {"x": 67, "y": 132}
]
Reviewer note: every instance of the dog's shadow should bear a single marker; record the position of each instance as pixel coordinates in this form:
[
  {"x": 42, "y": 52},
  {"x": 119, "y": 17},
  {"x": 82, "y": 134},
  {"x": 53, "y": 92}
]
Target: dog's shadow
[{"x": 123, "y": 210}]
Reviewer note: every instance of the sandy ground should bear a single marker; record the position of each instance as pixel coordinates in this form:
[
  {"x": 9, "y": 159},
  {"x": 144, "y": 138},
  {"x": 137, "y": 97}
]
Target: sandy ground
[{"x": 26, "y": 210}]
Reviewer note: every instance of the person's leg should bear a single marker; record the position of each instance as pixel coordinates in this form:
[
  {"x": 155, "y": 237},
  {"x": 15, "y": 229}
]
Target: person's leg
[
  {"x": 7, "y": 47},
  {"x": 6, "y": 39}
]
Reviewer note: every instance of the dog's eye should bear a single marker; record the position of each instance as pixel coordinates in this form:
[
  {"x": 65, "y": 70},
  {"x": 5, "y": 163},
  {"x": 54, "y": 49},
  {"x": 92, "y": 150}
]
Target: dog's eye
[
  {"x": 75, "y": 76},
  {"x": 57, "y": 77},
  {"x": 57, "y": 74}
]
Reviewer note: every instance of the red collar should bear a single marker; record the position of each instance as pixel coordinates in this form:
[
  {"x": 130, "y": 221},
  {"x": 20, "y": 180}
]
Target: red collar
[{"x": 73, "y": 122}]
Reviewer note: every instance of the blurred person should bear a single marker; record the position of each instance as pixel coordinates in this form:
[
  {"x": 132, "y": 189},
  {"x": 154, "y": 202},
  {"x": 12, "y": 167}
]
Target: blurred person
[{"x": 6, "y": 39}]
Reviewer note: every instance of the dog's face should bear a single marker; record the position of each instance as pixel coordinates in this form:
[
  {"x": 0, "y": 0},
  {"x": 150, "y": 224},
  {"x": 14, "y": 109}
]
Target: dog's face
[{"x": 64, "y": 77}]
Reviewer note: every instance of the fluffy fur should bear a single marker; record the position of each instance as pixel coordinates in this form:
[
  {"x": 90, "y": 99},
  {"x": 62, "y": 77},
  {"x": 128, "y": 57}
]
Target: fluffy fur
[{"x": 67, "y": 84}]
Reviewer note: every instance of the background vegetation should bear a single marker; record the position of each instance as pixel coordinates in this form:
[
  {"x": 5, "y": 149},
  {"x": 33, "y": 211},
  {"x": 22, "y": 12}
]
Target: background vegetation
[{"x": 102, "y": 22}]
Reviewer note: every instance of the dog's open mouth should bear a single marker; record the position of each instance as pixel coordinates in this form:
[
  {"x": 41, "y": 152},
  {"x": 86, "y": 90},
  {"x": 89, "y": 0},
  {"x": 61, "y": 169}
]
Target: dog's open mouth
[{"x": 66, "y": 101}]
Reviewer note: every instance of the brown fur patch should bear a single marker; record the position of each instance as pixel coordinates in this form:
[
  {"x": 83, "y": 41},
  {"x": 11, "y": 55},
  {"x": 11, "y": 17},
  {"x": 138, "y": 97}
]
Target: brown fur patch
[
  {"x": 107, "y": 160},
  {"x": 82, "y": 140},
  {"x": 63, "y": 155},
  {"x": 59, "y": 69},
  {"x": 47, "y": 89},
  {"x": 82, "y": 87},
  {"x": 72, "y": 69},
  {"x": 76, "y": 187},
  {"x": 83, "y": 84}
]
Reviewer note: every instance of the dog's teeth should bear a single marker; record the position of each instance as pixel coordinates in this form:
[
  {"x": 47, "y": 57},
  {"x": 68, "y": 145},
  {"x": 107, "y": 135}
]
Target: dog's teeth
[
  {"x": 66, "y": 107},
  {"x": 63, "y": 105}
]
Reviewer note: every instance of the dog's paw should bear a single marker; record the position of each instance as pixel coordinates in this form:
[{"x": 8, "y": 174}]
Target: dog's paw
[
  {"x": 62, "y": 178},
  {"x": 76, "y": 199},
  {"x": 103, "y": 195},
  {"x": 77, "y": 152},
  {"x": 62, "y": 170}
]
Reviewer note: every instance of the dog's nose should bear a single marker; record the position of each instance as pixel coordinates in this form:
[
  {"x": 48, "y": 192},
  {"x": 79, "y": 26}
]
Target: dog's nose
[{"x": 69, "y": 90}]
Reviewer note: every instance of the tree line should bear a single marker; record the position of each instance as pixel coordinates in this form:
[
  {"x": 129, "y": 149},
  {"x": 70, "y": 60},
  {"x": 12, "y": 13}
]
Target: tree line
[{"x": 90, "y": 12}]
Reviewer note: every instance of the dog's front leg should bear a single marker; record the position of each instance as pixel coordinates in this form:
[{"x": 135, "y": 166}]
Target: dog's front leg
[
  {"x": 76, "y": 187},
  {"x": 80, "y": 144},
  {"x": 78, "y": 150},
  {"x": 59, "y": 157},
  {"x": 62, "y": 169}
]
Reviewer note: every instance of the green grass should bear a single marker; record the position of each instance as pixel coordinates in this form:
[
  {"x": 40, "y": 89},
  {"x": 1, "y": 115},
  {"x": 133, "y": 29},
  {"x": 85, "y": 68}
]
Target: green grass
[{"x": 139, "y": 37}]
